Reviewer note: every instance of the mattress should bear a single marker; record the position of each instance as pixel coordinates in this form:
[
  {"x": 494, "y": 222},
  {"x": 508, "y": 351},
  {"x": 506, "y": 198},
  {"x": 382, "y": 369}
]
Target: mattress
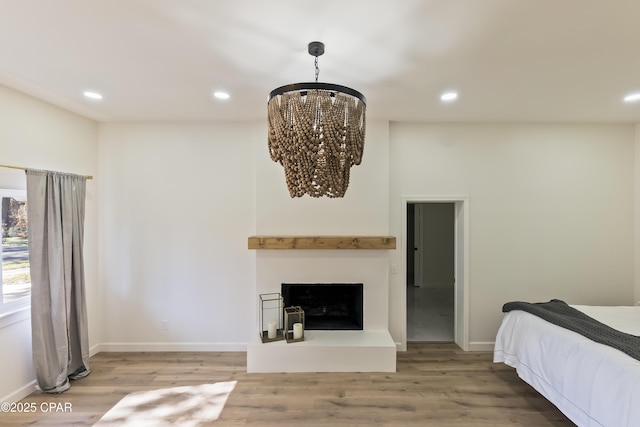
[{"x": 592, "y": 384}]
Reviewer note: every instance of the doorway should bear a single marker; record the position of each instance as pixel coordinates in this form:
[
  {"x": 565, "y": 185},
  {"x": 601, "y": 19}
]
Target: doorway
[{"x": 430, "y": 281}]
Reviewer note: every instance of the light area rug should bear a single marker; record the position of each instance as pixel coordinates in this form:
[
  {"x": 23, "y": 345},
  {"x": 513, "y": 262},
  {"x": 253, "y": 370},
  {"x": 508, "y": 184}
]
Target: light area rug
[{"x": 177, "y": 406}]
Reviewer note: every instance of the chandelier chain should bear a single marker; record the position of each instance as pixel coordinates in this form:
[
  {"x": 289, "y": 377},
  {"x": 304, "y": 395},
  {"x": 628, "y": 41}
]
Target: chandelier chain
[{"x": 317, "y": 69}]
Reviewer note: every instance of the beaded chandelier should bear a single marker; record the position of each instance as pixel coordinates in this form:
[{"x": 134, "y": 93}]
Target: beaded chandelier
[{"x": 316, "y": 132}]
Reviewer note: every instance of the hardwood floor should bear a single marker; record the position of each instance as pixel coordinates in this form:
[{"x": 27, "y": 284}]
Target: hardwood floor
[{"x": 435, "y": 385}]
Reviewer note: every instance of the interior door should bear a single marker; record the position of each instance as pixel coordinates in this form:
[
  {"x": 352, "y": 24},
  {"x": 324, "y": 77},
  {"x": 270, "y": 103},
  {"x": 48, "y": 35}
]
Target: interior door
[{"x": 418, "y": 246}]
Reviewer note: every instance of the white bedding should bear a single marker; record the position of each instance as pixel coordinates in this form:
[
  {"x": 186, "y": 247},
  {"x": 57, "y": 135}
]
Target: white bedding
[{"x": 592, "y": 384}]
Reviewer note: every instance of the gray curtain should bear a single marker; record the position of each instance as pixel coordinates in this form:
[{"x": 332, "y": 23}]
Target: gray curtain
[{"x": 55, "y": 210}]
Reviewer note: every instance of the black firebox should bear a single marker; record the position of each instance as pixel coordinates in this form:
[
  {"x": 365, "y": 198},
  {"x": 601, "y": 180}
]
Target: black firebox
[{"x": 327, "y": 306}]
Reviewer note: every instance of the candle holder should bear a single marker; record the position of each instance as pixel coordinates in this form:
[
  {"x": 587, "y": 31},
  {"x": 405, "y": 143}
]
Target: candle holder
[
  {"x": 293, "y": 324},
  {"x": 271, "y": 317}
]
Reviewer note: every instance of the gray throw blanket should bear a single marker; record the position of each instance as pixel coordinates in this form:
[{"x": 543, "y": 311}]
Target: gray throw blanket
[{"x": 561, "y": 314}]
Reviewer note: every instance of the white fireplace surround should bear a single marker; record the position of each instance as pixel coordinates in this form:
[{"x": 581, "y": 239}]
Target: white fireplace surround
[{"x": 369, "y": 350}]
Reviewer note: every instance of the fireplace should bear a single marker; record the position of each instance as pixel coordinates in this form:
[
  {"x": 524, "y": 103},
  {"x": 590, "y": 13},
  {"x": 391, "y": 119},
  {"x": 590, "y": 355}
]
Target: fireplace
[
  {"x": 327, "y": 306},
  {"x": 367, "y": 348}
]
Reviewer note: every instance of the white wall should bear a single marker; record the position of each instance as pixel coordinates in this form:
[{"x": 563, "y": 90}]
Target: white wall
[
  {"x": 38, "y": 135},
  {"x": 177, "y": 206},
  {"x": 178, "y": 202},
  {"x": 550, "y": 210},
  {"x": 363, "y": 210}
]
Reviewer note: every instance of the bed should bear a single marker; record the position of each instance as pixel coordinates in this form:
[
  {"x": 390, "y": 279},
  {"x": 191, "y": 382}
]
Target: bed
[{"x": 592, "y": 384}]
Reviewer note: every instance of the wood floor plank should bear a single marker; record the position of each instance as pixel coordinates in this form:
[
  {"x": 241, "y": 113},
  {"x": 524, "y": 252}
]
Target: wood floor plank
[{"x": 435, "y": 385}]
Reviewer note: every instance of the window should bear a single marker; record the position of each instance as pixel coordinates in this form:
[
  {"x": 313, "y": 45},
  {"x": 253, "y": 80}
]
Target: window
[{"x": 16, "y": 280}]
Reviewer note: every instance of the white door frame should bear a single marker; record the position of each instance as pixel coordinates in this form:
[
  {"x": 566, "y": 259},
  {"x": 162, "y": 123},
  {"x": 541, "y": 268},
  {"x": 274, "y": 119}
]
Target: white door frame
[{"x": 461, "y": 285}]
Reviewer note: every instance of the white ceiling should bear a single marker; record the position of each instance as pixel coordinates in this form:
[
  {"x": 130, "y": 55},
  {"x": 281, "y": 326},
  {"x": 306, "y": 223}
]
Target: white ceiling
[{"x": 510, "y": 60}]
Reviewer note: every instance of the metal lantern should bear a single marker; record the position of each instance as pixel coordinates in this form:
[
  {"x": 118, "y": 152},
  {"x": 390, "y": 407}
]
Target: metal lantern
[
  {"x": 293, "y": 324},
  {"x": 270, "y": 317}
]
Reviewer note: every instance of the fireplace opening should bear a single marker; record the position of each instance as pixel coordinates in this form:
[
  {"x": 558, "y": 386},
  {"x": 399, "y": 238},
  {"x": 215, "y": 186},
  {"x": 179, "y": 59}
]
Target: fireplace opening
[{"x": 327, "y": 306}]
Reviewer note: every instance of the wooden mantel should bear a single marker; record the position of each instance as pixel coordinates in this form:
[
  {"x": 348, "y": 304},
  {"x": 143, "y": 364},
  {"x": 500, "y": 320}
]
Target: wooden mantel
[{"x": 322, "y": 242}]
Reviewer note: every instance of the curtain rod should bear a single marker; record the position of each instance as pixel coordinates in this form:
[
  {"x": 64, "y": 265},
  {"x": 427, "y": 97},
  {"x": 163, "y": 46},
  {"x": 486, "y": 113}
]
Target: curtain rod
[{"x": 24, "y": 169}]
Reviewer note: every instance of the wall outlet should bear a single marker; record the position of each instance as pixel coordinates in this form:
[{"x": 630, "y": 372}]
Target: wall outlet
[{"x": 165, "y": 325}]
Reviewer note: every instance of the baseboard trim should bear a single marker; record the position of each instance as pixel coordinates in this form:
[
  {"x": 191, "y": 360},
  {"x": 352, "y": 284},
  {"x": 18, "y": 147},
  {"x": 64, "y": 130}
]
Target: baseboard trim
[
  {"x": 169, "y": 346},
  {"x": 196, "y": 346},
  {"x": 95, "y": 350},
  {"x": 21, "y": 393},
  {"x": 481, "y": 345}
]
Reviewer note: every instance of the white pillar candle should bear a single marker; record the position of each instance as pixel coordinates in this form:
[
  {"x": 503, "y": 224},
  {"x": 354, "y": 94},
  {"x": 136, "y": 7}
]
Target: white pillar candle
[
  {"x": 297, "y": 331},
  {"x": 271, "y": 332}
]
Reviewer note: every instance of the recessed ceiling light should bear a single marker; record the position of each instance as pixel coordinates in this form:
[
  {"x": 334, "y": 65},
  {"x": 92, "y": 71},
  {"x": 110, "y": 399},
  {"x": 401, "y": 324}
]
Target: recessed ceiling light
[
  {"x": 92, "y": 95},
  {"x": 449, "y": 96},
  {"x": 632, "y": 97},
  {"x": 221, "y": 95}
]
